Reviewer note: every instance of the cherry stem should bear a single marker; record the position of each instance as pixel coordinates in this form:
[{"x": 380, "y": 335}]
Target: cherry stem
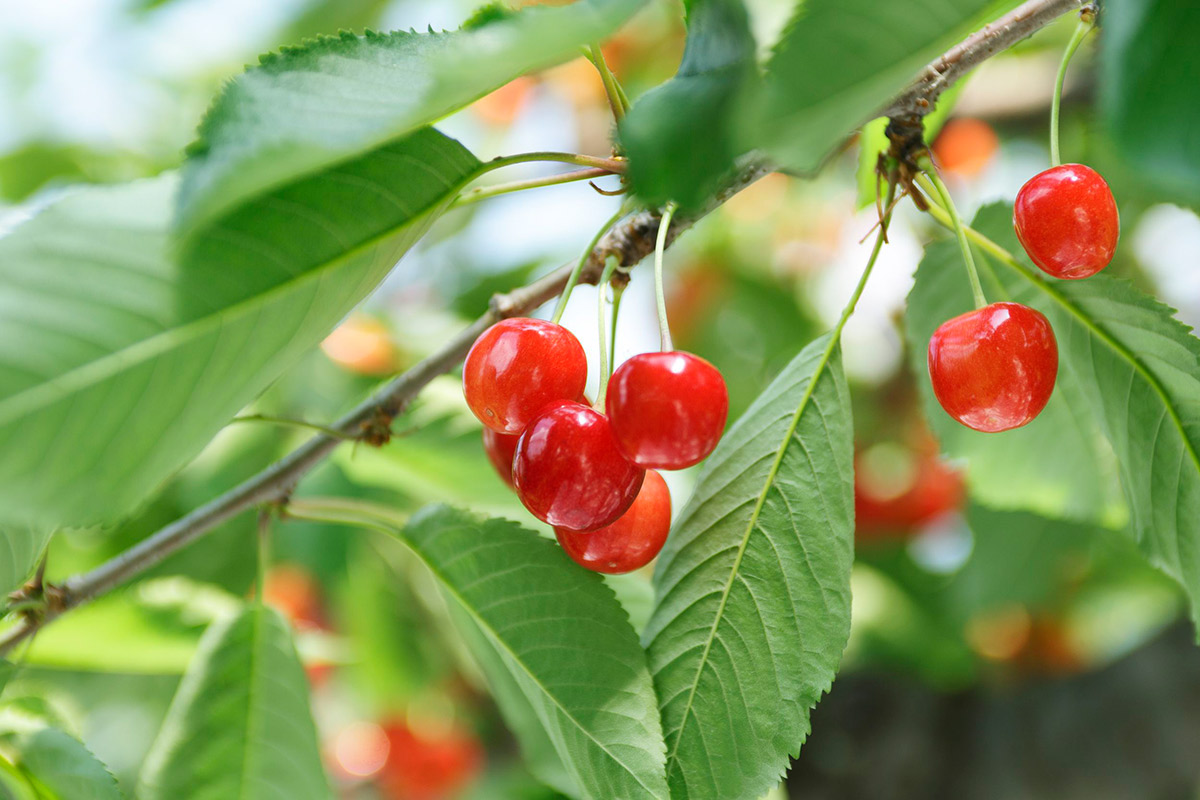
[
  {"x": 616, "y": 165},
  {"x": 583, "y": 259},
  {"x": 485, "y": 192},
  {"x": 618, "y": 293},
  {"x": 610, "y": 266},
  {"x": 880, "y": 239},
  {"x": 617, "y": 100},
  {"x": 660, "y": 244},
  {"x": 926, "y": 164},
  {"x": 1081, "y": 30},
  {"x": 296, "y": 423}
]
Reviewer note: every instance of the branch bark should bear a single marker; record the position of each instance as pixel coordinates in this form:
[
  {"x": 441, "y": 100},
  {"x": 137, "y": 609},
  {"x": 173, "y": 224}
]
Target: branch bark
[
  {"x": 631, "y": 241},
  {"x": 1023, "y": 21}
]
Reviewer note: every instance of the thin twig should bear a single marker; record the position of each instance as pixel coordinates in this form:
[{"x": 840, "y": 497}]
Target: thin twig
[{"x": 1026, "y": 19}]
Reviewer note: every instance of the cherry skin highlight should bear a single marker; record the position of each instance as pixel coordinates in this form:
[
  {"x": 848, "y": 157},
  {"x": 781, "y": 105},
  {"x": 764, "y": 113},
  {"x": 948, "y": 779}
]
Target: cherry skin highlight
[
  {"x": 668, "y": 409},
  {"x": 570, "y": 472},
  {"x": 500, "y": 448},
  {"x": 1067, "y": 221},
  {"x": 519, "y": 365},
  {"x": 993, "y": 369},
  {"x": 632, "y": 541}
]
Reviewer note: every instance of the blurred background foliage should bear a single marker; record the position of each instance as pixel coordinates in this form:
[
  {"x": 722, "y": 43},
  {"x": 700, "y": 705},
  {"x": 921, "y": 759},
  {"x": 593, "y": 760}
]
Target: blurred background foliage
[{"x": 951, "y": 598}]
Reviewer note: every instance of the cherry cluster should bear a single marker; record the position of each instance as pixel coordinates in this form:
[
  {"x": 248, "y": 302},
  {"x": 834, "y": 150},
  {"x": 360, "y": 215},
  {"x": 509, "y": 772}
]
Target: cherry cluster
[
  {"x": 994, "y": 368},
  {"x": 591, "y": 475}
]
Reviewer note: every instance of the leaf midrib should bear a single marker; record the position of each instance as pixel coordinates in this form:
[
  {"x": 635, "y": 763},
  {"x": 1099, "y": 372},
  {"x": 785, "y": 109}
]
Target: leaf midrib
[
  {"x": 139, "y": 352},
  {"x": 762, "y": 498},
  {"x": 255, "y": 642},
  {"x": 353, "y": 519}
]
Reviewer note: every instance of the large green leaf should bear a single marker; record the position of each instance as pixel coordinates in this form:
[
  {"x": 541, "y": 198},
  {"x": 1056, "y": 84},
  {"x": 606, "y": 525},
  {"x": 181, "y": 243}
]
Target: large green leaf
[
  {"x": 753, "y": 586},
  {"x": 559, "y": 635},
  {"x": 55, "y": 765},
  {"x": 1058, "y": 465},
  {"x": 520, "y": 712},
  {"x": 6, "y": 672},
  {"x": 680, "y": 136},
  {"x": 20, "y": 548},
  {"x": 239, "y": 727},
  {"x": 1149, "y": 75},
  {"x": 841, "y": 61},
  {"x": 309, "y": 108},
  {"x": 1138, "y": 369},
  {"x": 120, "y": 365}
]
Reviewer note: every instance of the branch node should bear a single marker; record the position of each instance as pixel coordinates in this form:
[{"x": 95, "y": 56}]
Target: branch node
[{"x": 376, "y": 430}]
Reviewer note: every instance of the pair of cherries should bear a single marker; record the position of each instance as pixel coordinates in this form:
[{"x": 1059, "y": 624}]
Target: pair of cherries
[
  {"x": 993, "y": 369},
  {"x": 588, "y": 474}
]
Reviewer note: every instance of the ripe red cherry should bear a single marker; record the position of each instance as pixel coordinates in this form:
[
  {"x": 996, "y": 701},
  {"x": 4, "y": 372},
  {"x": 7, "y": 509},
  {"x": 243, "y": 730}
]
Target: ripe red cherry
[
  {"x": 1067, "y": 222},
  {"x": 632, "y": 541},
  {"x": 519, "y": 365},
  {"x": 569, "y": 470},
  {"x": 500, "y": 448},
  {"x": 668, "y": 409},
  {"x": 993, "y": 369}
]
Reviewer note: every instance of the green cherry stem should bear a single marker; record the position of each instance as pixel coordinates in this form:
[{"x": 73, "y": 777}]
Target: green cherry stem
[
  {"x": 1081, "y": 30},
  {"x": 618, "y": 293},
  {"x": 485, "y": 192},
  {"x": 616, "y": 97},
  {"x": 660, "y": 244},
  {"x": 926, "y": 164},
  {"x": 583, "y": 259},
  {"x": 880, "y": 238},
  {"x": 616, "y": 165},
  {"x": 610, "y": 266},
  {"x": 296, "y": 423}
]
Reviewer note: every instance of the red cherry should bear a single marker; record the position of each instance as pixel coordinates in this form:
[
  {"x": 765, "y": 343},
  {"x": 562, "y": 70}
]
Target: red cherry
[
  {"x": 1067, "y": 221},
  {"x": 433, "y": 764},
  {"x": 895, "y": 499},
  {"x": 668, "y": 409},
  {"x": 500, "y": 448},
  {"x": 993, "y": 369},
  {"x": 519, "y": 365},
  {"x": 632, "y": 541},
  {"x": 569, "y": 470}
]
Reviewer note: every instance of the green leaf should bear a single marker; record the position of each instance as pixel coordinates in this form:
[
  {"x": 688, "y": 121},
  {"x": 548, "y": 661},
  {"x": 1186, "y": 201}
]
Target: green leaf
[
  {"x": 1148, "y": 78},
  {"x": 520, "y": 711},
  {"x": 56, "y": 765},
  {"x": 1058, "y": 465},
  {"x": 6, "y": 672},
  {"x": 753, "y": 586},
  {"x": 841, "y": 61},
  {"x": 306, "y": 109},
  {"x": 679, "y": 137},
  {"x": 1138, "y": 369},
  {"x": 121, "y": 365},
  {"x": 239, "y": 727},
  {"x": 20, "y": 547},
  {"x": 560, "y": 636}
]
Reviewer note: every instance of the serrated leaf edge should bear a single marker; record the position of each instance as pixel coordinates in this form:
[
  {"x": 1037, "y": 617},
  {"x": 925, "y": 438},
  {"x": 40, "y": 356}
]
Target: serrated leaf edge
[{"x": 771, "y": 475}]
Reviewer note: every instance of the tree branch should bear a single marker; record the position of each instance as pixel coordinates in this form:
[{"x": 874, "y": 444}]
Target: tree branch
[
  {"x": 1023, "y": 21},
  {"x": 631, "y": 241}
]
